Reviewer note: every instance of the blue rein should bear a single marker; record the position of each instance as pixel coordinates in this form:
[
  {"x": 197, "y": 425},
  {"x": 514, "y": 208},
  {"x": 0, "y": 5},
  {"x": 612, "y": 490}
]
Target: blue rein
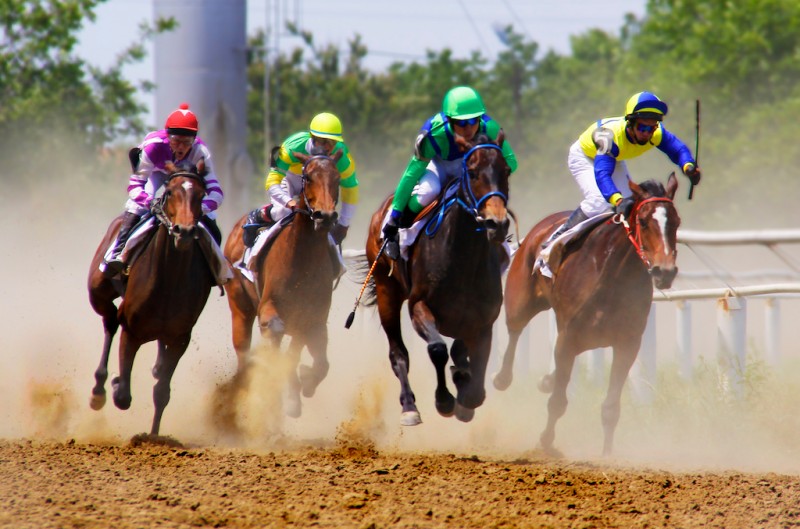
[{"x": 473, "y": 205}]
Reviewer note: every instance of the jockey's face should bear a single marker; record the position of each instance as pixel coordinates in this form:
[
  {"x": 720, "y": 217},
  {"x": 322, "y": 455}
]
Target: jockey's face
[
  {"x": 180, "y": 145},
  {"x": 465, "y": 127},
  {"x": 325, "y": 144},
  {"x": 642, "y": 130}
]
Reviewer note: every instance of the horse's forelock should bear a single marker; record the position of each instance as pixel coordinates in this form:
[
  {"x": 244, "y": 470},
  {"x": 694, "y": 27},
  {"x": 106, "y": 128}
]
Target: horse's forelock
[{"x": 653, "y": 188}]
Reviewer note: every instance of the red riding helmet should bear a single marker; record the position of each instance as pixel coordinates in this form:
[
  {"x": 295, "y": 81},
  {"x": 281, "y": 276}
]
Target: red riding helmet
[{"x": 182, "y": 122}]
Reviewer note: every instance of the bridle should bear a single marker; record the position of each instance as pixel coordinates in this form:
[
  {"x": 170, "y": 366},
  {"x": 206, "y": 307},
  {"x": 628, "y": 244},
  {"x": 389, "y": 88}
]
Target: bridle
[
  {"x": 309, "y": 210},
  {"x": 635, "y": 234},
  {"x": 157, "y": 207},
  {"x": 470, "y": 203}
]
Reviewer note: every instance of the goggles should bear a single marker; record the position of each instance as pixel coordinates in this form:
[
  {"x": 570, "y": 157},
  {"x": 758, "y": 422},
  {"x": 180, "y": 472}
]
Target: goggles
[
  {"x": 646, "y": 128},
  {"x": 464, "y": 122},
  {"x": 181, "y": 140}
]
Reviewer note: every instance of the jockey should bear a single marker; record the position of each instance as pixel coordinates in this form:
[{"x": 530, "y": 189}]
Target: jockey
[
  {"x": 175, "y": 146},
  {"x": 597, "y": 159},
  {"x": 284, "y": 180},
  {"x": 437, "y": 159}
]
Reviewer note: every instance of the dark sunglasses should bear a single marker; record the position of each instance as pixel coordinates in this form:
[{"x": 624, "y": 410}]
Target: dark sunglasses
[
  {"x": 646, "y": 128},
  {"x": 464, "y": 122}
]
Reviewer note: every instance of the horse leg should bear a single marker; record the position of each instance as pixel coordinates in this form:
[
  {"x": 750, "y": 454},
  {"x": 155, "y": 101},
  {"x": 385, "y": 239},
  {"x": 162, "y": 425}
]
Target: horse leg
[
  {"x": 469, "y": 372},
  {"x": 121, "y": 385},
  {"x": 425, "y": 325},
  {"x": 624, "y": 356},
  {"x": 242, "y": 332},
  {"x": 110, "y": 327},
  {"x": 390, "y": 300},
  {"x": 164, "y": 368},
  {"x": 311, "y": 376},
  {"x": 565, "y": 353},
  {"x": 293, "y": 407},
  {"x": 270, "y": 323}
]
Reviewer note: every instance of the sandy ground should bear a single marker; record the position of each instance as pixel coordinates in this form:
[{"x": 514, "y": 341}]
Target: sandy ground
[{"x": 687, "y": 454}]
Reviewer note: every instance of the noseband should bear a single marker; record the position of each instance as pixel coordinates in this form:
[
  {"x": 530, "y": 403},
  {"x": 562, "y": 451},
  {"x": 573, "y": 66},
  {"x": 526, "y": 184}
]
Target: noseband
[
  {"x": 635, "y": 234},
  {"x": 309, "y": 210}
]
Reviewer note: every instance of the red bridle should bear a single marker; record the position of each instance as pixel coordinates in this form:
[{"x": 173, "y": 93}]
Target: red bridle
[{"x": 635, "y": 235}]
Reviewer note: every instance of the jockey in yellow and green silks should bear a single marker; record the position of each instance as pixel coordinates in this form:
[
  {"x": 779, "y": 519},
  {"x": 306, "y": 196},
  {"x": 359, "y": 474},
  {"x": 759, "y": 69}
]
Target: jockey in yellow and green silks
[
  {"x": 597, "y": 159},
  {"x": 437, "y": 159},
  {"x": 284, "y": 180}
]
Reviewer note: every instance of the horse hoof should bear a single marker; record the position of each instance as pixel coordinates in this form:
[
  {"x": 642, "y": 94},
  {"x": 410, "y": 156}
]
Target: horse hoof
[
  {"x": 96, "y": 402},
  {"x": 293, "y": 408},
  {"x": 501, "y": 381},
  {"x": 550, "y": 451},
  {"x": 464, "y": 414},
  {"x": 307, "y": 381},
  {"x": 410, "y": 418},
  {"x": 445, "y": 404},
  {"x": 546, "y": 384}
]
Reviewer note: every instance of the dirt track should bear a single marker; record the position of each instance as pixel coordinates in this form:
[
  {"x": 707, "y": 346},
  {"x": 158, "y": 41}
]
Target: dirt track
[{"x": 73, "y": 485}]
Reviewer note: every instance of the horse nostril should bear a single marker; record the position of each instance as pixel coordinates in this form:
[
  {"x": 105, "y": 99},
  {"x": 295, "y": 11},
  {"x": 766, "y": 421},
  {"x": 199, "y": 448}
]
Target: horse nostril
[
  {"x": 316, "y": 215},
  {"x": 490, "y": 224}
]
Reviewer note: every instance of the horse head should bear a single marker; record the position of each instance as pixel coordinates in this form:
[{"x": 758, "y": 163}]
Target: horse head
[
  {"x": 485, "y": 183},
  {"x": 654, "y": 228},
  {"x": 181, "y": 205},
  {"x": 320, "y": 188}
]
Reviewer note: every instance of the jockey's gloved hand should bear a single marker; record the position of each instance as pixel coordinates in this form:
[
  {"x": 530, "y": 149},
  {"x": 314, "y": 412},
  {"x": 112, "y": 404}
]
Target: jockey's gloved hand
[
  {"x": 392, "y": 226},
  {"x": 339, "y": 232},
  {"x": 693, "y": 172},
  {"x": 624, "y": 207}
]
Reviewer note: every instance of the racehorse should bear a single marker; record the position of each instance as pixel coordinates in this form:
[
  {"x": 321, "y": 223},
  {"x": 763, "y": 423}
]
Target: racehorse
[
  {"x": 601, "y": 291},
  {"x": 452, "y": 281},
  {"x": 167, "y": 287},
  {"x": 294, "y": 276}
]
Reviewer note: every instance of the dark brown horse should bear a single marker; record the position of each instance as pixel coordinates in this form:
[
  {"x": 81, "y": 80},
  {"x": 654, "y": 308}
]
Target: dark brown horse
[
  {"x": 601, "y": 292},
  {"x": 167, "y": 287},
  {"x": 294, "y": 276},
  {"x": 452, "y": 281}
]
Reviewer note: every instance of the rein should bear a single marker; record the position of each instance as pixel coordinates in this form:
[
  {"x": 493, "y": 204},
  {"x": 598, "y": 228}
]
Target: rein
[
  {"x": 635, "y": 235},
  {"x": 471, "y": 205}
]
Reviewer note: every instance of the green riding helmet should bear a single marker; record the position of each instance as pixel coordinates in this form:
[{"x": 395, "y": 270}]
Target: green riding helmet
[{"x": 463, "y": 102}]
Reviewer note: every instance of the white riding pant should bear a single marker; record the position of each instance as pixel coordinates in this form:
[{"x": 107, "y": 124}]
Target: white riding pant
[
  {"x": 437, "y": 175},
  {"x": 582, "y": 169},
  {"x": 290, "y": 188}
]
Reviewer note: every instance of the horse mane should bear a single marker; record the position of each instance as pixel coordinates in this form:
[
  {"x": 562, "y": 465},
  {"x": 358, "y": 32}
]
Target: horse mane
[{"x": 653, "y": 188}]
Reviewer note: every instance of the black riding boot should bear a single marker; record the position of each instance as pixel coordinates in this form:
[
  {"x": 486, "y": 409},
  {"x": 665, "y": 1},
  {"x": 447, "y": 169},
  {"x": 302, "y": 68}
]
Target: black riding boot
[
  {"x": 211, "y": 224},
  {"x": 114, "y": 264},
  {"x": 256, "y": 219},
  {"x": 575, "y": 218}
]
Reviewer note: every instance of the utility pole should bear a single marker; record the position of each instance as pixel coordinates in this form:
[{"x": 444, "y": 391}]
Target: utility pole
[{"x": 267, "y": 115}]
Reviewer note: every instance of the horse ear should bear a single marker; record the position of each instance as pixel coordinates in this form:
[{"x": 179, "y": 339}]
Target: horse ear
[
  {"x": 170, "y": 167},
  {"x": 300, "y": 156},
  {"x": 672, "y": 185},
  {"x": 200, "y": 168},
  {"x": 638, "y": 192},
  {"x": 337, "y": 156},
  {"x": 501, "y": 137}
]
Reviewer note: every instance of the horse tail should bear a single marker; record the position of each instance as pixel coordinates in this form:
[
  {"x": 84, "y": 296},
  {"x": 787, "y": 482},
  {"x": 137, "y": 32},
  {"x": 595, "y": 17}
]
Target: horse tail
[{"x": 357, "y": 269}]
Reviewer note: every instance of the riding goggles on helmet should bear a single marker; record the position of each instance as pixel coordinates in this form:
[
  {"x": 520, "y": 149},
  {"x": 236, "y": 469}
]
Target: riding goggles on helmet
[
  {"x": 183, "y": 140},
  {"x": 646, "y": 128}
]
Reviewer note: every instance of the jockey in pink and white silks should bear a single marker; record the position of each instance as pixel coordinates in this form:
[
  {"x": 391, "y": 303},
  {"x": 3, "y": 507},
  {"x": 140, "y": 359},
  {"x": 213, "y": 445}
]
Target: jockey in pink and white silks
[
  {"x": 175, "y": 146},
  {"x": 597, "y": 159}
]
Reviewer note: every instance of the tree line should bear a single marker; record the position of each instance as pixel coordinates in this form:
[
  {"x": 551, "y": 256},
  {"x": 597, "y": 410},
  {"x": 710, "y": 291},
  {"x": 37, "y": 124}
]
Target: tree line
[{"x": 738, "y": 58}]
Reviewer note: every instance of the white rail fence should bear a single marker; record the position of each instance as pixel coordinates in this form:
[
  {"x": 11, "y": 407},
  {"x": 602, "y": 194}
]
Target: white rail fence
[{"x": 731, "y": 312}]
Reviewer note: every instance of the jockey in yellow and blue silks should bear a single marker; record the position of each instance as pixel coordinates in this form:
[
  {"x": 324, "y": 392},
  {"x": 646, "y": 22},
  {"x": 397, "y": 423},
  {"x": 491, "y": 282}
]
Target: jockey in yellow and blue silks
[
  {"x": 597, "y": 159},
  {"x": 284, "y": 180},
  {"x": 437, "y": 159}
]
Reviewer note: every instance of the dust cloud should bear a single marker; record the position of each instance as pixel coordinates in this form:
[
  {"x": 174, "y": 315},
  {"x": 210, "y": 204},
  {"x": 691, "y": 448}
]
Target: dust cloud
[{"x": 52, "y": 341}]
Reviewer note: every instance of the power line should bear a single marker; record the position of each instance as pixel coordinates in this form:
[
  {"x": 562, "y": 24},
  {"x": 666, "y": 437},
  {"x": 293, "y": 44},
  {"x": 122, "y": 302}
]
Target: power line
[{"x": 474, "y": 26}]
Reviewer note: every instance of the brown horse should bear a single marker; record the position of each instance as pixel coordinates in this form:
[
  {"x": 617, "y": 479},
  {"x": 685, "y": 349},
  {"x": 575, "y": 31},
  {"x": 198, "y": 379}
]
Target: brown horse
[
  {"x": 601, "y": 293},
  {"x": 452, "y": 281},
  {"x": 167, "y": 287},
  {"x": 294, "y": 276}
]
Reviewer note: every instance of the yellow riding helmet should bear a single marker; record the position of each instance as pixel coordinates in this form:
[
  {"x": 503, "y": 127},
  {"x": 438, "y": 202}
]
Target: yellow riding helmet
[
  {"x": 326, "y": 125},
  {"x": 645, "y": 105}
]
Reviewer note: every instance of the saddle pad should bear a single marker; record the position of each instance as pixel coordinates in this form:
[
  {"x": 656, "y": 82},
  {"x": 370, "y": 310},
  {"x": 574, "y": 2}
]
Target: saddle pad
[{"x": 543, "y": 261}]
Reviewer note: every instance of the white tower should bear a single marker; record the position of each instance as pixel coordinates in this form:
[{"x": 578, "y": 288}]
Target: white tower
[{"x": 203, "y": 62}]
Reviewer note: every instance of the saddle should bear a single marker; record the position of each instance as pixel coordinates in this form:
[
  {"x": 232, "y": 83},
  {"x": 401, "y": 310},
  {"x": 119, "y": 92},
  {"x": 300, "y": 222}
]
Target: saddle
[{"x": 550, "y": 257}]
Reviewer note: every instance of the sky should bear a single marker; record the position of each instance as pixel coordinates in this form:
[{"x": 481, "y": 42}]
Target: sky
[{"x": 392, "y": 31}]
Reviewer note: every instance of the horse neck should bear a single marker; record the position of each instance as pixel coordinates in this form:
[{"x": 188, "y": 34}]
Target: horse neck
[{"x": 461, "y": 236}]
